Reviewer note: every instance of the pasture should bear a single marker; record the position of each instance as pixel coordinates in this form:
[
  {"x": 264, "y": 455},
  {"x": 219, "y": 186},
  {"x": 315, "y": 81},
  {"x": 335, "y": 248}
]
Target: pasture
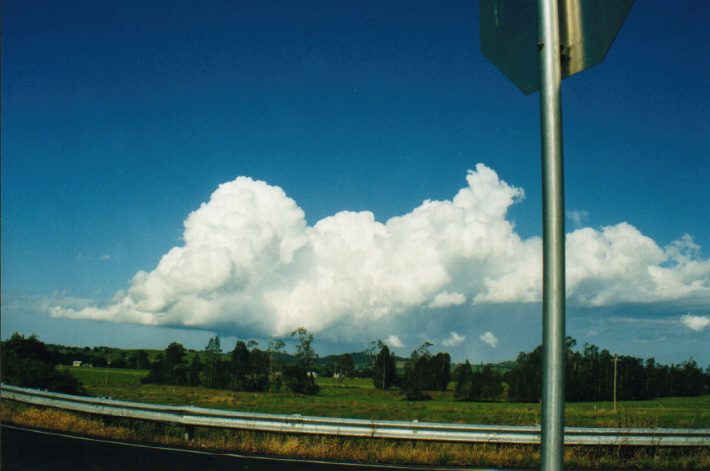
[{"x": 356, "y": 398}]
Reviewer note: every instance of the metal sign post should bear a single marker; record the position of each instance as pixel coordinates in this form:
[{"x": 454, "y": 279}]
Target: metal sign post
[
  {"x": 571, "y": 36},
  {"x": 553, "y": 236}
]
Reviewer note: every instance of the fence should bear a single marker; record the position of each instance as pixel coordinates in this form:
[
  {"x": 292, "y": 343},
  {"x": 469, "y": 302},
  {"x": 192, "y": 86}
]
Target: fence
[{"x": 190, "y": 417}]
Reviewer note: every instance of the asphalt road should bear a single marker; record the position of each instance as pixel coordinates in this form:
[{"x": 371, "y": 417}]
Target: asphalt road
[{"x": 23, "y": 449}]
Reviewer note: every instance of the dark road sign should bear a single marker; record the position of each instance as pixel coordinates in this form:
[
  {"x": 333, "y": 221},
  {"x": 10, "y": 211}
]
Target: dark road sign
[{"x": 509, "y": 36}]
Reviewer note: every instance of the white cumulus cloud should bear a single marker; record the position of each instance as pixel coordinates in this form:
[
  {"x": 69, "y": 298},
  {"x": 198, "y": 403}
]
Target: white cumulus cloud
[
  {"x": 489, "y": 339},
  {"x": 453, "y": 339},
  {"x": 251, "y": 264},
  {"x": 446, "y": 299},
  {"x": 619, "y": 264},
  {"x": 394, "y": 341},
  {"x": 696, "y": 323}
]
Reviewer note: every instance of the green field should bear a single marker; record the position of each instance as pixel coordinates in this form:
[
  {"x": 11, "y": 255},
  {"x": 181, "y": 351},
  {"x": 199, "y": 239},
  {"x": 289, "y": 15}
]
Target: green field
[{"x": 356, "y": 398}]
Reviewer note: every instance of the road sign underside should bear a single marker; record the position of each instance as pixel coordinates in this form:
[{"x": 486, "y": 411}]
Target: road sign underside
[{"x": 510, "y": 40}]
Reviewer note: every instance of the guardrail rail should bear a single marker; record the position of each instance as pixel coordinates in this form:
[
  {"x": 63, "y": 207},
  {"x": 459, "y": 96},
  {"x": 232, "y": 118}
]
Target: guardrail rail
[{"x": 190, "y": 416}]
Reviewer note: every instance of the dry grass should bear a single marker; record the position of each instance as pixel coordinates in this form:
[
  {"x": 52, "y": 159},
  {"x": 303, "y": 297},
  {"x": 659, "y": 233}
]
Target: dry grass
[{"x": 360, "y": 450}]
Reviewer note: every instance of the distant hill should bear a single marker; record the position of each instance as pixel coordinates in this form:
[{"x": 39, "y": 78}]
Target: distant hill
[
  {"x": 501, "y": 366},
  {"x": 362, "y": 360}
]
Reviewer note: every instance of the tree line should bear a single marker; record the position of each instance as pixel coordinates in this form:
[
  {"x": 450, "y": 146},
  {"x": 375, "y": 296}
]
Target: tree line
[
  {"x": 589, "y": 372},
  {"x": 590, "y": 376},
  {"x": 423, "y": 372},
  {"x": 246, "y": 368}
]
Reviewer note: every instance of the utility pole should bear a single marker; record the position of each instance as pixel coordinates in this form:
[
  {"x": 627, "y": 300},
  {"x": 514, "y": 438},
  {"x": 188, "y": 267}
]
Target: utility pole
[
  {"x": 108, "y": 362},
  {"x": 616, "y": 361},
  {"x": 271, "y": 367}
]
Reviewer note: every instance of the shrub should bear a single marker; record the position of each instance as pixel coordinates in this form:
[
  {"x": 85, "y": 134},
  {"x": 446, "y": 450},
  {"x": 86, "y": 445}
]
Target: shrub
[{"x": 297, "y": 380}]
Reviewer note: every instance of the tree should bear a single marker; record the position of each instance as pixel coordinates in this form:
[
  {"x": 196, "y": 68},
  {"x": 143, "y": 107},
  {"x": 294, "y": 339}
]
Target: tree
[
  {"x": 692, "y": 378},
  {"x": 276, "y": 347},
  {"x": 464, "y": 383},
  {"x": 26, "y": 362},
  {"x": 384, "y": 370},
  {"x": 484, "y": 384},
  {"x": 440, "y": 366},
  {"x": 169, "y": 367},
  {"x": 491, "y": 383},
  {"x": 27, "y": 348},
  {"x": 417, "y": 374},
  {"x": 157, "y": 373},
  {"x": 138, "y": 360},
  {"x": 299, "y": 378},
  {"x": 258, "y": 376},
  {"x": 122, "y": 361},
  {"x": 214, "y": 370},
  {"x": 240, "y": 365},
  {"x": 195, "y": 372},
  {"x": 525, "y": 379},
  {"x": 305, "y": 353},
  {"x": 175, "y": 363},
  {"x": 174, "y": 355},
  {"x": 344, "y": 364}
]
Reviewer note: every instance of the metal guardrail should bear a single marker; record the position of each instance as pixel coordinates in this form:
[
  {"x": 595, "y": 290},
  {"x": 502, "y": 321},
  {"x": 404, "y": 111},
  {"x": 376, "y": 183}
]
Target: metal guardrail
[{"x": 190, "y": 416}]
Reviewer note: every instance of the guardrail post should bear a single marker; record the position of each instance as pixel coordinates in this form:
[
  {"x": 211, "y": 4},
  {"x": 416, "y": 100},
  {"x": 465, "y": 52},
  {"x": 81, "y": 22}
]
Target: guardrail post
[{"x": 189, "y": 432}]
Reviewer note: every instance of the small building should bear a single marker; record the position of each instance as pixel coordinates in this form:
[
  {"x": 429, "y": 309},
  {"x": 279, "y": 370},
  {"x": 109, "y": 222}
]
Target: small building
[{"x": 76, "y": 364}]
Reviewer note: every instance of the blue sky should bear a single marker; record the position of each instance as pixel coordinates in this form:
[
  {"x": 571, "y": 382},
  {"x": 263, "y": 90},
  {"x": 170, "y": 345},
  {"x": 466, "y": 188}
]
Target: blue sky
[{"x": 119, "y": 119}]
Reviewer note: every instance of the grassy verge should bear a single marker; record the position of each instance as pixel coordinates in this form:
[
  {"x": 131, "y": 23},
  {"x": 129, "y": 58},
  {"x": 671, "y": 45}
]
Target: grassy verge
[
  {"x": 357, "y": 398},
  {"x": 360, "y": 450}
]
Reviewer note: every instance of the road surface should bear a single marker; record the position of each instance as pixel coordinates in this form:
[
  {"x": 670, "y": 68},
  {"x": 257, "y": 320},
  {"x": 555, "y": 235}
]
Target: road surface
[{"x": 23, "y": 449}]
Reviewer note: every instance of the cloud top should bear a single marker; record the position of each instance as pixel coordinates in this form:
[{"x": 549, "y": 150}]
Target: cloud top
[
  {"x": 251, "y": 264},
  {"x": 454, "y": 339},
  {"x": 490, "y": 339}
]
